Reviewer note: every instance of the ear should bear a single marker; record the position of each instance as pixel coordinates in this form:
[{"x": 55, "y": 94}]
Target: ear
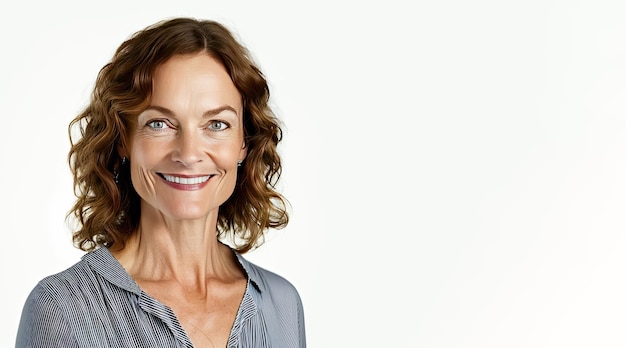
[
  {"x": 243, "y": 152},
  {"x": 122, "y": 151}
]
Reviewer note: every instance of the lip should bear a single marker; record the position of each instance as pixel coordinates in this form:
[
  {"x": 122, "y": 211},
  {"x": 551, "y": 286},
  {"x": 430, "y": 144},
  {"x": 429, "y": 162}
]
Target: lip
[{"x": 186, "y": 182}]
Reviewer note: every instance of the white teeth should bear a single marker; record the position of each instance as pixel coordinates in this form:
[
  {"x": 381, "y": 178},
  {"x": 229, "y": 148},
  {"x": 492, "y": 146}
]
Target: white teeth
[{"x": 186, "y": 181}]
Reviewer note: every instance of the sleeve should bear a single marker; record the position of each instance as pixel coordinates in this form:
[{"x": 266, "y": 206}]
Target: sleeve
[
  {"x": 301, "y": 330},
  {"x": 42, "y": 324}
]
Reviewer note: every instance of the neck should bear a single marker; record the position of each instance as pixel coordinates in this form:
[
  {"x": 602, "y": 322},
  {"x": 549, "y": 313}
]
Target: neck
[{"x": 187, "y": 252}]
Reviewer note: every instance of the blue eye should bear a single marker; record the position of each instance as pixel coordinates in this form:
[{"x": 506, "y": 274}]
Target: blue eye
[
  {"x": 217, "y": 125},
  {"x": 157, "y": 124}
]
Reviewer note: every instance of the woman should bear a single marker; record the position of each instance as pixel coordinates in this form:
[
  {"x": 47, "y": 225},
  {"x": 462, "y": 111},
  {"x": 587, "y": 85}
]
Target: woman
[{"x": 177, "y": 152}]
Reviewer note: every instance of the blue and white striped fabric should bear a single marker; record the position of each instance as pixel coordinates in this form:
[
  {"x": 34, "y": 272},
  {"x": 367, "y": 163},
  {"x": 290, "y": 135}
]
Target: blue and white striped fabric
[{"x": 96, "y": 303}]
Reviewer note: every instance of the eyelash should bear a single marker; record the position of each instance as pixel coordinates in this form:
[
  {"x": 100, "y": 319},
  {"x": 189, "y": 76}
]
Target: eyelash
[
  {"x": 166, "y": 124},
  {"x": 211, "y": 123},
  {"x": 151, "y": 124}
]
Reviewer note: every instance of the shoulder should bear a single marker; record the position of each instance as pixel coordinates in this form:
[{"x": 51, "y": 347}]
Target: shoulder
[
  {"x": 67, "y": 307},
  {"x": 279, "y": 303},
  {"x": 64, "y": 283},
  {"x": 55, "y": 294},
  {"x": 44, "y": 321},
  {"x": 75, "y": 290},
  {"x": 270, "y": 283}
]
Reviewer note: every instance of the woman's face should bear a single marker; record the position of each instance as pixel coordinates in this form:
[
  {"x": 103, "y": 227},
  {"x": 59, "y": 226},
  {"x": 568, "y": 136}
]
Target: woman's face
[{"x": 186, "y": 144}]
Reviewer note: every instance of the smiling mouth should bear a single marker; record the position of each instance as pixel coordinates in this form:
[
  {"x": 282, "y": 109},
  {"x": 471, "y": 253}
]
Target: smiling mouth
[{"x": 186, "y": 180}]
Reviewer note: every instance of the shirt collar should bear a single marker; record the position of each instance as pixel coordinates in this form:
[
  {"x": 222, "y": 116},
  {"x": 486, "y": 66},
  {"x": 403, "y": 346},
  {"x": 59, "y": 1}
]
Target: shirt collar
[
  {"x": 104, "y": 263},
  {"x": 251, "y": 272}
]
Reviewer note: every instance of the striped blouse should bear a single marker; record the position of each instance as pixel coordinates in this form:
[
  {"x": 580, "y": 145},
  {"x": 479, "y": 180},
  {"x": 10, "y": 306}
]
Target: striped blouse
[{"x": 96, "y": 303}]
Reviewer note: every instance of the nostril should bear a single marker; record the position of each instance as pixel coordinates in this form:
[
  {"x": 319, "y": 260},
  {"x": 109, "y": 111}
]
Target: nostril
[{"x": 188, "y": 150}]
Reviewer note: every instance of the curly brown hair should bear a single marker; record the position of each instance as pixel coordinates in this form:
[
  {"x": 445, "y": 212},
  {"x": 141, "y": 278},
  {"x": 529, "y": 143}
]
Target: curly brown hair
[{"x": 107, "y": 207}]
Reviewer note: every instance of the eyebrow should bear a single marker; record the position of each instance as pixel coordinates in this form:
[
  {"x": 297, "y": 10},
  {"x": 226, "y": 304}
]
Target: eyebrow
[{"x": 207, "y": 113}]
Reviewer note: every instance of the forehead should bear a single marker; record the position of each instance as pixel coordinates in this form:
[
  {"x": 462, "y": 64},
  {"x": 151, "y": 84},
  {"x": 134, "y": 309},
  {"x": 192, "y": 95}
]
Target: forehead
[{"x": 195, "y": 77}]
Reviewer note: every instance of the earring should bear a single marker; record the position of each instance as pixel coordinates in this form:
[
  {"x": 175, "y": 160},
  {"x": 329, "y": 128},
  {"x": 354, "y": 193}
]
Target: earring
[
  {"x": 116, "y": 172},
  {"x": 239, "y": 163}
]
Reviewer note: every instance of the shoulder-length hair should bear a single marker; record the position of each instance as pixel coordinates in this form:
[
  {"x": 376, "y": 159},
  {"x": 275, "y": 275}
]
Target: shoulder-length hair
[{"x": 107, "y": 207}]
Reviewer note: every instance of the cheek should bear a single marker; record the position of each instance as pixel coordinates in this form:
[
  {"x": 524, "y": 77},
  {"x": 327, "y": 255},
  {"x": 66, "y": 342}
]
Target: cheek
[
  {"x": 138, "y": 159},
  {"x": 226, "y": 156},
  {"x": 142, "y": 157},
  {"x": 144, "y": 152}
]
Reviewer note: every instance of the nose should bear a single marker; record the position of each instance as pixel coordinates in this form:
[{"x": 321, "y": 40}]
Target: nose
[{"x": 188, "y": 149}]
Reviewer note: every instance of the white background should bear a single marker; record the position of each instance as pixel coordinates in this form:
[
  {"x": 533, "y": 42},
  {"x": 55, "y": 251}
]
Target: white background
[{"x": 456, "y": 169}]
